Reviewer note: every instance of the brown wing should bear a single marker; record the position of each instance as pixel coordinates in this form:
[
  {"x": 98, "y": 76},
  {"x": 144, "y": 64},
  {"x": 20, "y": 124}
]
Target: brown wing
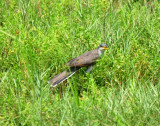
[{"x": 85, "y": 59}]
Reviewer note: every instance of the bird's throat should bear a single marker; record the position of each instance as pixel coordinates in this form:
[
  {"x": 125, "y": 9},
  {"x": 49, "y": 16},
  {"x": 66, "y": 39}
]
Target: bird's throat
[{"x": 100, "y": 52}]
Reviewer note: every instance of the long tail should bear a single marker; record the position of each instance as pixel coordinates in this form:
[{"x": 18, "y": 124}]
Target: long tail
[{"x": 62, "y": 77}]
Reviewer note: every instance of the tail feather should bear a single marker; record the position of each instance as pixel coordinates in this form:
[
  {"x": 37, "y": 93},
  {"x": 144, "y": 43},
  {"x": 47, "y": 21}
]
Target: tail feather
[{"x": 61, "y": 77}]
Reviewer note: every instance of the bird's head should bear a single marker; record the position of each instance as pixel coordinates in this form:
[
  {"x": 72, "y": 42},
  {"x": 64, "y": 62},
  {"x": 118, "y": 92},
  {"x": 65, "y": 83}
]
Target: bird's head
[{"x": 102, "y": 48}]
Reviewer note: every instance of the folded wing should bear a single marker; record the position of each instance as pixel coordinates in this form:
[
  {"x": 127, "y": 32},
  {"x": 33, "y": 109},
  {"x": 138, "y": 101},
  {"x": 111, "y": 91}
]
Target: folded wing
[{"x": 85, "y": 59}]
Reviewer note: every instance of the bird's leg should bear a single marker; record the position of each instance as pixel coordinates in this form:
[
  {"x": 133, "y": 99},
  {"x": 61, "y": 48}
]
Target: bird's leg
[{"x": 89, "y": 69}]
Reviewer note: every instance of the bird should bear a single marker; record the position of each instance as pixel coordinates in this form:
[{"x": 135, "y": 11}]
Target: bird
[{"x": 87, "y": 59}]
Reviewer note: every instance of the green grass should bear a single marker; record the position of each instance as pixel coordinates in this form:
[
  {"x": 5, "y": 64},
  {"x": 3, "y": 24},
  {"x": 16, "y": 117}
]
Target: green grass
[{"x": 38, "y": 37}]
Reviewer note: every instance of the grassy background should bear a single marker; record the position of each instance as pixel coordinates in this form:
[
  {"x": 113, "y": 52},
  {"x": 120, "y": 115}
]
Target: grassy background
[{"x": 38, "y": 37}]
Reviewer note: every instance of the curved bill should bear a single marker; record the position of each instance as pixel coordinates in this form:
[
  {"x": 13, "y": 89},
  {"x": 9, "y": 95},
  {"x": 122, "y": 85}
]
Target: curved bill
[{"x": 105, "y": 47}]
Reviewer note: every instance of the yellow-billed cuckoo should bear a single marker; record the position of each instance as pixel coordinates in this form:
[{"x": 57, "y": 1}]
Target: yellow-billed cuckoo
[{"x": 87, "y": 59}]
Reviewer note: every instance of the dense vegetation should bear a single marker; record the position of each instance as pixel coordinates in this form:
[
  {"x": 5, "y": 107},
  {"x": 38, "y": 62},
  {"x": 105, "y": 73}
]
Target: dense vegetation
[{"x": 38, "y": 37}]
